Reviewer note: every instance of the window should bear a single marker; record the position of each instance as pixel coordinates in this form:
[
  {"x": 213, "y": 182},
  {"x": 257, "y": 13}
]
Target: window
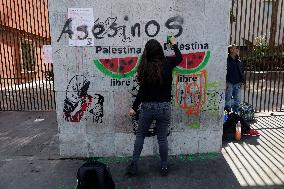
[{"x": 27, "y": 49}]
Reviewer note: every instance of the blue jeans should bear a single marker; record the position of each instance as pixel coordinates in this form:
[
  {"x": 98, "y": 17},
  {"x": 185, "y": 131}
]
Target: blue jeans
[
  {"x": 161, "y": 112},
  {"x": 233, "y": 93}
]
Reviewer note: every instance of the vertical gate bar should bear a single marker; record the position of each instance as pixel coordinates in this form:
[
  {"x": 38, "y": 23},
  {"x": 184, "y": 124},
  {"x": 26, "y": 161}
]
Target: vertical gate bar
[
  {"x": 16, "y": 58},
  {"x": 11, "y": 34},
  {"x": 247, "y": 49},
  {"x": 2, "y": 65},
  {"x": 16, "y": 48},
  {"x": 277, "y": 72},
  {"x": 23, "y": 76},
  {"x": 37, "y": 46},
  {"x": 21, "y": 37},
  {"x": 39, "y": 67},
  {"x": 28, "y": 75},
  {"x": 257, "y": 64},
  {"x": 47, "y": 34},
  {"x": 231, "y": 21},
  {"x": 282, "y": 74},
  {"x": 237, "y": 14},
  {"x": 254, "y": 69},
  {"x": 32, "y": 36},
  {"x": 33, "y": 54},
  {"x": 281, "y": 51},
  {"x": 244, "y": 45},
  {"x": 262, "y": 61},
  {"x": 272, "y": 52},
  {"x": 9, "y": 107},
  {"x": 267, "y": 66},
  {"x": 43, "y": 85},
  {"x": 45, "y": 42},
  {"x": 240, "y": 33},
  {"x": 23, "y": 70}
]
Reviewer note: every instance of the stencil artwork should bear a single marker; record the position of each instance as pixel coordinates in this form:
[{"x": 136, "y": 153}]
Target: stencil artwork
[{"x": 79, "y": 105}]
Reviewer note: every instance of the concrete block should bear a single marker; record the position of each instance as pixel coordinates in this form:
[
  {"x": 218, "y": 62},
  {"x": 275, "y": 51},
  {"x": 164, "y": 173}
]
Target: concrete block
[
  {"x": 100, "y": 117},
  {"x": 124, "y": 145},
  {"x": 183, "y": 142},
  {"x": 217, "y": 22},
  {"x": 101, "y": 145},
  {"x": 123, "y": 102},
  {"x": 209, "y": 141},
  {"x": 73, "y": 145}
]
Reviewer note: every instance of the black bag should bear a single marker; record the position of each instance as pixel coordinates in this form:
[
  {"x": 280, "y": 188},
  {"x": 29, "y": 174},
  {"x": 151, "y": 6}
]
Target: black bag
[
  {"x": 94, "y": 175},
  {"x": 247, "y": 111},
  {"x": 229, "y": 126}
]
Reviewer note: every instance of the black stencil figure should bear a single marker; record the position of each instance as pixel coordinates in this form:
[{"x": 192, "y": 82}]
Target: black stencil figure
[{"x": 78, "y": 102}]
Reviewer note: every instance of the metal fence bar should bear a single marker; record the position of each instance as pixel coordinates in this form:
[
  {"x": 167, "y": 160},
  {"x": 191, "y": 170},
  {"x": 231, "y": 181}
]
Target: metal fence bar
[
  {"x": 24, "y": 29},
  {"x": 281, "y": 48},
  {"x": 254, "y": 18},
  {"x": 254, "y": 102}
]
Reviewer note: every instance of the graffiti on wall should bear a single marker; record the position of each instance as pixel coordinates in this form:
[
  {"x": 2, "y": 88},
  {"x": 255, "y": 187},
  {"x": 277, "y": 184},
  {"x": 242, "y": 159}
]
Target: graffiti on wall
[
  {"x": 214, "y": 102},
  {"x": 191, "y": 82},
  {"x": 118, "y": 67},
  {"x": 191, "y": 91},
  {"x": 110, "y": 28},
  {"x": 78, "y": 104},
  {"x": 193, "y": 62}
]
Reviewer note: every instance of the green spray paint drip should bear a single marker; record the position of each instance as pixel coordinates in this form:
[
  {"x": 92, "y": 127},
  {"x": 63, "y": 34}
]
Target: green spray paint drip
[
  {"x": 128, "y": 187},
  {"x": 191, "y": 71},
  {"x": 108, "y": 160},
  {"x": 194, "y": 125},
  {"x": 117, "y": 75},
  {"x": 197, "y": 157},
  {"x": 214, "y": 85}
]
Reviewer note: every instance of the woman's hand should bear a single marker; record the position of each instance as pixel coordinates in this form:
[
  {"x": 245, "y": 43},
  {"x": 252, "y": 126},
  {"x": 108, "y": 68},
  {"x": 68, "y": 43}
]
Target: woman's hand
[
  {"x": 173, "y": 40},
  {"x": 132, "y": 112}
]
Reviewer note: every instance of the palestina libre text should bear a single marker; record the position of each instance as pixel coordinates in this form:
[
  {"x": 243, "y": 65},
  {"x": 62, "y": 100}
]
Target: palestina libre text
[{"x": 134, "y": 50}]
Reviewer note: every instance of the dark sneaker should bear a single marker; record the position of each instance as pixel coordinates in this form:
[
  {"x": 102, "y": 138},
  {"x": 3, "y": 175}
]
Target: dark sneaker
[
  {"x": 131, "y": 169},
  {"x": 164, "y": 171}
]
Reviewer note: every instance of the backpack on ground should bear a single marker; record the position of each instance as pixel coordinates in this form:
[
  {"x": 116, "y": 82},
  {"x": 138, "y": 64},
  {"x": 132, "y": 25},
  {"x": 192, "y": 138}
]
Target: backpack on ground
[
  {"x": 229, "y": 126},
  {"x": 94, "y": 175},
  {"x": 247, "y": 111}
]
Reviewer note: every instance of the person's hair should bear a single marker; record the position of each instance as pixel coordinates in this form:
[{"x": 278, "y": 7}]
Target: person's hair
[
  {"x": 230, "y": 47},
  {"x": 151, "y": 67}
]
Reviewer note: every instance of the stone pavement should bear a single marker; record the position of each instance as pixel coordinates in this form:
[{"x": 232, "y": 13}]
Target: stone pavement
[{"x": 29, "y": 159}]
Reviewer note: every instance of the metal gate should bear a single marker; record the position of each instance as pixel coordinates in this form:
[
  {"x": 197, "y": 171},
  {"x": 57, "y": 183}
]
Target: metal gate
[
  {"x": 257, "y": 27},
  {"x": 26, "y": 81}
]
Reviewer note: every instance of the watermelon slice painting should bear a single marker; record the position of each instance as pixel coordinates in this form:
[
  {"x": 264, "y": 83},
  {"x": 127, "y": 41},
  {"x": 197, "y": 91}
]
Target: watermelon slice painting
[
  {"x": 118, "y": 67},
  {"x": 193, "y": 62}
]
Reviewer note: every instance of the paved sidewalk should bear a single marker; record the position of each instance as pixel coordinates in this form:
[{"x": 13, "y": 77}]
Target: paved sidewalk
[{"x": 29, "y": 159}]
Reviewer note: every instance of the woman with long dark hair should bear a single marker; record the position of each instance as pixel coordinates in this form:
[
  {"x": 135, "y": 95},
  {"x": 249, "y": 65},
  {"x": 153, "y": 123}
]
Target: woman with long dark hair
[{"x": 155, "y": 80}]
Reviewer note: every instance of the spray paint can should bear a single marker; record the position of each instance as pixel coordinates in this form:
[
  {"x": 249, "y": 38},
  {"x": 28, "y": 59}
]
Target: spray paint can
[
  {"x": 169, "y": 36},
  {"x": 238, "y": 133}
]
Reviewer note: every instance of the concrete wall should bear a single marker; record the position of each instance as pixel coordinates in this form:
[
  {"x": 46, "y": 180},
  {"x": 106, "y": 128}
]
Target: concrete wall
[{"x": 97, "y": 122}]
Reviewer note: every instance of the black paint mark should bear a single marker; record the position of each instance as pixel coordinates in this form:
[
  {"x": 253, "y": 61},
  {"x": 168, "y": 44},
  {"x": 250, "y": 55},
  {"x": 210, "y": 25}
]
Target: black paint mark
[
  {"x": 154, "y": 22},
  {"x": 213, "y": 101},
  {"x": 83, "y": 29},
  {"x": 66, "y": 29},
  {"x": 133, "y": 30},
  {"x": 175, "y": 23},
  {"x": 100, "y": 28},
  {"x": 97, "y": 108},
  {"x": 78, "y": 102}
]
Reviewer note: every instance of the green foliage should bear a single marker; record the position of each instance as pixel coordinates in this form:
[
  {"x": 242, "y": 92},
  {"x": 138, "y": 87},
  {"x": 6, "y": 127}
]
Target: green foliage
[{"x": 262, "y": 57}]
